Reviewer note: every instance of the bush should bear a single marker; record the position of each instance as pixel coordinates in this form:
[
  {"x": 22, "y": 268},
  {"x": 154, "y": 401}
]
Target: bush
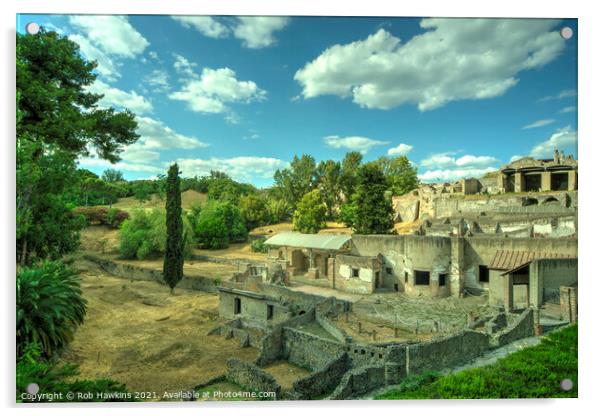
[
  {"x": 112, "y": 217},
  {"x": 33, "y": 368},
  {"x": 218, "y": 224},
  {"x": 310, "y": 214},
  {"x": 278, "y": 210},
  {"x": 50, "y": 306},
  {"x": 258, "y": 245},
  {"x": 254, "y": 211},
  {"x": 348, "y": 214},
  {"x": 143, "y": 236}
]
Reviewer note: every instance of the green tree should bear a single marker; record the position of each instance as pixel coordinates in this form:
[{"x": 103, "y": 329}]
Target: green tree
[
  {"x": 254, "y": 211},
  {"x": 310, "y": 214},
  {"x": 374, "y": 212},
  {"x": 173, "y": 263},
  {"x": 349, "y": 170},
  {"x": 58, "y": 120},
  {"x": 112, "y": 175},
  {"x": 329, "y": 174},
  {"x": 401, "y": 175},
  {"x": 218, "y": 224},
  {"x": 297, "y": 180}
]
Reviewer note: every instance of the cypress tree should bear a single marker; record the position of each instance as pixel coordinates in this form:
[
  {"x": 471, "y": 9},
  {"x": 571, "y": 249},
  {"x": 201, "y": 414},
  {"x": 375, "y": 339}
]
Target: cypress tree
[
  {"x": 374, "y": 209},
  {"x": 173, "y": 263}
]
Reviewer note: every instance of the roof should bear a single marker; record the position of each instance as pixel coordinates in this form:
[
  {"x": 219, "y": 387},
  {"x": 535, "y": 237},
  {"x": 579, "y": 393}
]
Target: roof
[
  {"x": 512, "y": 260},
  {"x": 317, "y": 241}
]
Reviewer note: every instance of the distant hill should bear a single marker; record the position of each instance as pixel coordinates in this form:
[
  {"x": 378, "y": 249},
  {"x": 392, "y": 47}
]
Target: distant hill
[{"x": 189, "y": 198}]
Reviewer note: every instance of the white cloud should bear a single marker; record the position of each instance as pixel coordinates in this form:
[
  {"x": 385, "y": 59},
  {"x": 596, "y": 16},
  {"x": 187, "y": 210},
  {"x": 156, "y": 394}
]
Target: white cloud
[
  {"x": 445, "y": 167},
  {"x": 114, "y": 97},
  {"x": 242, "y": 168},
  {"x": 400, "y": 150},
  {"x": 562, "y": 94},
  {"x": 184, "y": 67},
  {"x": 357, "y": 143},
  {"x": 452, "y": 175},
  {"x": 563, "y": 139},
  {"x": 214, "y": 89},
  {"x": 539, "y": 123},
  {"x": 158, "y": 80},
  {"x": 113, "y": 34},
  {"x": 153, "y": 55},
  {"x": 206, "y": 25},
  {"x": 154, "y": 134},
  {"x": 122, "y": 165},
  {"x": 456, "y": 59},
  {"x": 105, "y": 65},
  {"x": 570, "y": 109},
  {"x": 258, "y": 31}
]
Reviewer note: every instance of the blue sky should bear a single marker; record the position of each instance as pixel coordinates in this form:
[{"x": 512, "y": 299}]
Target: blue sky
[{"x": 244, "y": 95}]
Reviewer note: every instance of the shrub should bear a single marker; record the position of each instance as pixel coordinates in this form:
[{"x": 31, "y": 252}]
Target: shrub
[
  {"x": 348, "y": 214},
  {"x": 278, "y": 210},
  {"x": 50, "y": 306},
  {"x": 112, "y": 217},
  {"x": 310, "y": 214},
  {"x": 143, "y": 236},
  {"x": 33, "y": 368},
  {"x": 258, "y": 245},
  {"x": 254, "y": 211},
  {"x": 218, "y": 224}
]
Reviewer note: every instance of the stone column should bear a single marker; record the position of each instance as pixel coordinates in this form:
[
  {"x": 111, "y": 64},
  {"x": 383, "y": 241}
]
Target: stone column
[
  {"x": 456, "y": 275},
  {"x": 508, "y": 292},
  {"x": 572, "y": 180},
  {"x": 546, "y": 181},
  {"x": 501, "y": 182},
  {"x": 518, "y": 182}
]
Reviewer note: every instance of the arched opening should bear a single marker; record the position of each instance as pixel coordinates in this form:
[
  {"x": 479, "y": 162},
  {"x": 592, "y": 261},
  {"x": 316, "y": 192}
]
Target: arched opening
[{"x": 529, "y": 201}]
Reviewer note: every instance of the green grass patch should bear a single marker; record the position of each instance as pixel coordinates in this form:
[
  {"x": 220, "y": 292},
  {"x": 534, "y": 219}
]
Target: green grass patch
[{"x": 534, "y": 372}]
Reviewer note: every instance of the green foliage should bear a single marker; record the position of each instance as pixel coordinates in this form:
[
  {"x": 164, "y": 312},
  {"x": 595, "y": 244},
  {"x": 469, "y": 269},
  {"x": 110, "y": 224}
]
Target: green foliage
[
  {"x": 310, "y": 214},
  {"x": 254, "y": 210},
  {"x": 374, "y": 212},
  {"x": 348, "y": 214},
  {"x": 218, "y": 224},
  {"x": 297, "y": 180},
  {"x": 111, "y": 217},
  {"x": 534, "y": 372},
  {"x": 401, "y": 175},
  {"x": 258, "y": 245},
  {"x": 173, "y": 263},
  {"x": 51, "y": 378},
  {"x": 112, "y": 175},
  {"x": 144, "y": 235},
  {"x": 278, "y": 210},
  {"x": 56, "y": 107},
  {"x": 223, "y": 188},
  {"x": 349, "y": 170},
  {"x": 50, "y": 306},
  {"x": 329, "y": 174}
]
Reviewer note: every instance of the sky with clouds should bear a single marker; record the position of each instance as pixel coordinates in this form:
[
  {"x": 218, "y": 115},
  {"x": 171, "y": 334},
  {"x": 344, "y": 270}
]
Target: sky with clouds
[{"x": 458, "y": 97}]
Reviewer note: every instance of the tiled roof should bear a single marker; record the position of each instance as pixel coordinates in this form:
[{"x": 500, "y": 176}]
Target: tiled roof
[{"x": 510, "y": 259}]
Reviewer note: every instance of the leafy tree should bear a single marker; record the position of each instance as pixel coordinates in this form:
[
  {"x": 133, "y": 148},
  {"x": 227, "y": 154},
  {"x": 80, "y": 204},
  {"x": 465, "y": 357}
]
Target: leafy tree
[
  {"x": 374, "y": 213},
  {"x": 50, "y": 306},
  {"x": 294, "y": 182},
  {"x": 401, "y": 175},
  {"x": 348, "y": 214},
  {"x": 218, "y": 224},
  {"x": 112, "y": 175},
  {"x": 58, "y": 120},
  {"x": 254, "y": 210},
  {"x": 349, "y": 170},
  {"x": 278, "y": 209},
  {"x": 173, "y": 263},
  {"x": 329, "y": 174},
  {"x": 310, "y": 214}
]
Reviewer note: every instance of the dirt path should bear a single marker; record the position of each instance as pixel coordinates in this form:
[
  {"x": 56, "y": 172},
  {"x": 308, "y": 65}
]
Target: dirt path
[{"x": 137, "y": 333}]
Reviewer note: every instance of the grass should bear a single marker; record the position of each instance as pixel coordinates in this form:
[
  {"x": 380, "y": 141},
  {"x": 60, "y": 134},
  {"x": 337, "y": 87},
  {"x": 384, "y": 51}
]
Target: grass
[{"x": 534, "y": 372}]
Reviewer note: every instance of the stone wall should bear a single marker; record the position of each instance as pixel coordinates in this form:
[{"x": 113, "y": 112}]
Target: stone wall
[
  {"x": 359, "y": 381},
  {"x": 446, "y": 352},
  {"x": 250, "y": 376},
  {"x": 522, "y": 328},
  {"x": 308, "y": 350},
  {"x": 133, "y": 272},
  {"x": 321, "y": 381}
]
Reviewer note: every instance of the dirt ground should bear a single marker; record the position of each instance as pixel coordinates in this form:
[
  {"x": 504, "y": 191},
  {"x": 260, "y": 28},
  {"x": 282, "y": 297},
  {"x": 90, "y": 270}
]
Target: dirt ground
[
  {"x": 286, "y": 373},
  {"x": 138, "y": 334},
  {"x": 189, "y": 199}
]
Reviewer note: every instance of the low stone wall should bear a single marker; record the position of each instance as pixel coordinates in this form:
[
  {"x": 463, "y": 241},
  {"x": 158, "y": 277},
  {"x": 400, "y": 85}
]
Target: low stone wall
[
  {"x": 321, "y": 381},
  {"x": 523, "y": 328},
  {"x": 446, "y": 352},
  {"x": 222, "y": 260},
  {"x": 308, "y": 350},
  {"x": 331, "y": 328},
  {"x": 250, "y": 376},
  {"x": 133, "y": 272},
  {"x": 359, "y": 381}
]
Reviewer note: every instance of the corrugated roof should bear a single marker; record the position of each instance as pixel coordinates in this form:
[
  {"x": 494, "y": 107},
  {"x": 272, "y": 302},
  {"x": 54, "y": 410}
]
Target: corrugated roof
[
  {"x": 511, "y": 260},
  {"x": 317, "y": 241}
]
